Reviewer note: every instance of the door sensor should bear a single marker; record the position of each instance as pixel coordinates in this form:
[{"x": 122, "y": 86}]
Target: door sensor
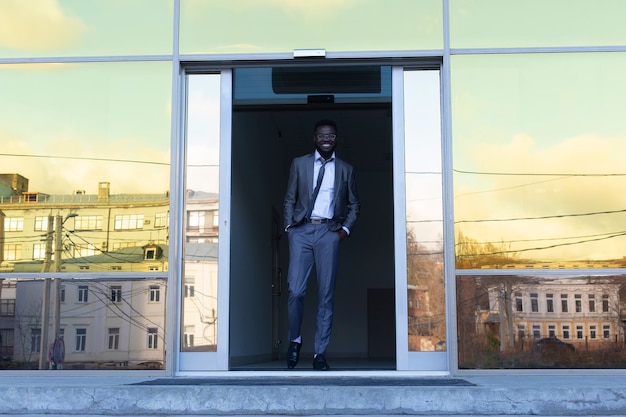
[{"x": 309, "y": 53}]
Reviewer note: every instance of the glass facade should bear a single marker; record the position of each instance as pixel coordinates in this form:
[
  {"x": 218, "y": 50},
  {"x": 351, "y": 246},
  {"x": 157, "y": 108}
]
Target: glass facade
[
  {"x": 512, "y": 182},
  {"x": 244, "y": 26},
  {"x": 536, "y": 160},
  {"x": 76, "y": 28},
  {"x": 530, "y": 322},
  {"x": 536, "y": 23}
]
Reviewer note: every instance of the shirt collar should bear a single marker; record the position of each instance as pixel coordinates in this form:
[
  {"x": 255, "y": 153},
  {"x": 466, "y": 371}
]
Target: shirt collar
[{"x": 318, "y": 156}]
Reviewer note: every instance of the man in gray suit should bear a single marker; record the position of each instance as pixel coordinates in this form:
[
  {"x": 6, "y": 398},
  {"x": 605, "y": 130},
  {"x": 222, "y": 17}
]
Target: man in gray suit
[{"x": 320, "y": 209}]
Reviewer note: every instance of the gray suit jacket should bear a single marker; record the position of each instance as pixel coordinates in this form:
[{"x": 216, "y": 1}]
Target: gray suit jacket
[{"x": 299, "y": 193}]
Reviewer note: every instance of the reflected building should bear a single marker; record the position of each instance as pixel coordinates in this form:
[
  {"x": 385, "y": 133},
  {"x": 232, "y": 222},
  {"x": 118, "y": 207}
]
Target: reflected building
[
  {"x": 584, "y": 312},
  {"x": 515, "y": 315},
  {"x": 116, "y": 324},
  {"x": 105, "y": 323}
]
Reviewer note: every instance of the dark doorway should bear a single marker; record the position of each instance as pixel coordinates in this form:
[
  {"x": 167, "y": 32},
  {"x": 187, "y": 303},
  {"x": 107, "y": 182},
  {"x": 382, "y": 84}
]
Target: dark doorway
[{"x": 267, "y": 133}]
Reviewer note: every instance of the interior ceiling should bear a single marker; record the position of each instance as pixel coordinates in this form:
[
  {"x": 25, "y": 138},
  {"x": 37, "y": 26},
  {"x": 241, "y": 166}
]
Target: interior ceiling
[{"x": 364, "y": 134}]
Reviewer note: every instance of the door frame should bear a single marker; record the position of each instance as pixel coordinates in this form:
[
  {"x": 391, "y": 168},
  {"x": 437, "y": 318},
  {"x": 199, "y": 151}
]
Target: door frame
[{"x": 194, "y": 362}]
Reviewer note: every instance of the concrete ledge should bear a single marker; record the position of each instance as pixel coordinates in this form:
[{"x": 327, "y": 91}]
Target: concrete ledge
[{"x": 498, "y": 396}]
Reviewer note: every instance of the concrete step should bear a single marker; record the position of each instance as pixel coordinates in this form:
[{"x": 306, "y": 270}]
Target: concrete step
[{"x": 304, "y": 395}]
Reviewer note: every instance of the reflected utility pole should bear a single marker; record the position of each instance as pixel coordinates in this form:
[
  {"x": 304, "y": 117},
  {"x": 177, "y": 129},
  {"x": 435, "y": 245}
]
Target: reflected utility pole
[
  {"x": 54, "y": 228},
  {"x": 45, "y": 304}
]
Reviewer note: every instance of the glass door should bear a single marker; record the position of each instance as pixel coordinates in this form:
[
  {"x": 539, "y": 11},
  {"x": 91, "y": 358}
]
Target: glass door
[
  {"x": 204, "y": 308},
  {"x": 420, "y": 288}
]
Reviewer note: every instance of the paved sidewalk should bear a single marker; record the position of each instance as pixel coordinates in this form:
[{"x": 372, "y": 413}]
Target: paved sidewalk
[{"x": 256, "y": 394}]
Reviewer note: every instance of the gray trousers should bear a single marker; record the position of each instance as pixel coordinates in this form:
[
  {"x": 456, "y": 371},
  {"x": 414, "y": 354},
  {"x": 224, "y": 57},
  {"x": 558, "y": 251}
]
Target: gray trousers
[{"x": 312, "y": 244}]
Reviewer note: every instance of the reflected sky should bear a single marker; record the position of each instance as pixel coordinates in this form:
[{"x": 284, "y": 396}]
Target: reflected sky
[
  {"x": 506, "y": 23},
  {"x": 67, "y": 127},
  {"x": 423, "y": 157},
  {"x": 283, "y": 25},
  {"x": 203, "y": 127},
  {"x": 85, "y": 28},
  {"x": 538, "y": 146}
]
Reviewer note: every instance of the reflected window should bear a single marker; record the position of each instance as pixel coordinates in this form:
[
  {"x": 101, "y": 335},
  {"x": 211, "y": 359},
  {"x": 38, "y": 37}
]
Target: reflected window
[
  {"x": 115, "y": 293},
  {"x": 113, "y": 338},
  {"x": 41, "y": 223},
  {"x": 188, "y": 339},
  {"x": 129, "y": 221},
  {"x": 12, "y": 251},
  {"x": 35, "y": 340},
  {"x": 155, "y": 293},
  {"x": 534, "y": 303},
  {"x": 578, "y": 302},
  {"x": 605, "y": 303},
  {"x": 83, "y": 294},
  {"x": 566, "y": 334},
  {"x": 93, "y": 222},
  {"x": 7, "y": 308},
  {"x": 13, "y": 224},
  {"x": 550, "y": 303},
  {"x": 153, "y": 338},
  {"x": 536, "y": 331},
  {"x": 592, "y": 303},
  {"x": 81, "y": 340}
]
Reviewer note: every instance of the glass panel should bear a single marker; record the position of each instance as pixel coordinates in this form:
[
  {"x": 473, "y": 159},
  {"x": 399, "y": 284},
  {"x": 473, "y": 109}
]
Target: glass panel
[
  {"x": 86, "y": 28},
  {"x": 99, "y": 324},
  {"x": 538, "y": 169},
  {"x": 199, "y": 328},
  {"x": 84, "y": 189},
  {"x": 506, "y": 23},
  {"x": 495, "y": 332},
  {"x": 424, "y": 212},
  {"x": 85, "y": 178},
  {"x": 282, "y": 26}
]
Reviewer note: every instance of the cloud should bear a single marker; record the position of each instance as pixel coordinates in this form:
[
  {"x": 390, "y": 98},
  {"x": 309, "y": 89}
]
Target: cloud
[{"x": 38, "y": 25}]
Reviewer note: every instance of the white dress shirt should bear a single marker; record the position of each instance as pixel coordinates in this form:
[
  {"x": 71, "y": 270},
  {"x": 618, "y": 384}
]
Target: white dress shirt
[{"x": 323, "y": 208}]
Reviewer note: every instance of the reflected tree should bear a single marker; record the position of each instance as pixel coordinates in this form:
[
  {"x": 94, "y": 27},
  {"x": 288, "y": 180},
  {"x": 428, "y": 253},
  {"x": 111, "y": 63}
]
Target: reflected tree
[
  {"x": 472, "y": 254},
  {"x": 425, "y": 271}
]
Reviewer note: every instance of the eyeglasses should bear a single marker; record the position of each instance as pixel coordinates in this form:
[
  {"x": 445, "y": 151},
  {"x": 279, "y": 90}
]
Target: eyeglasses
[{"x": 322, "y": 136}]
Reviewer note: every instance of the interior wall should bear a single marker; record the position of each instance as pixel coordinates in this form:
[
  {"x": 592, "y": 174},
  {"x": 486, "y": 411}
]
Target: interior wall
[{"x": 255, "y": 165}]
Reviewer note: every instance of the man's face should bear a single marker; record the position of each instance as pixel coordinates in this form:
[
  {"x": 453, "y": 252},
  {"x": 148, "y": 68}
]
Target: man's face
[{"x": 325, "y": 139}]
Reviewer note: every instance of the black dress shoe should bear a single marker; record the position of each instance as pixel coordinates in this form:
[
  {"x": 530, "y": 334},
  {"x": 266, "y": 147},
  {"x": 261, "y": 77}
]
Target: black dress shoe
[
  {"x": 293, "y": 354},
  {"x": 319, "y": 363}
]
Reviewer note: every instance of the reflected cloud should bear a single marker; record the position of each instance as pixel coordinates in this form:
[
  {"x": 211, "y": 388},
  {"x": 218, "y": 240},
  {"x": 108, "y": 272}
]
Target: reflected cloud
[
  {"x": 526, "y": 190},
  {"x": 319, "y": 7},
  {"x": 38, "y": 25},
  {"x": 65, "y": 165}
]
